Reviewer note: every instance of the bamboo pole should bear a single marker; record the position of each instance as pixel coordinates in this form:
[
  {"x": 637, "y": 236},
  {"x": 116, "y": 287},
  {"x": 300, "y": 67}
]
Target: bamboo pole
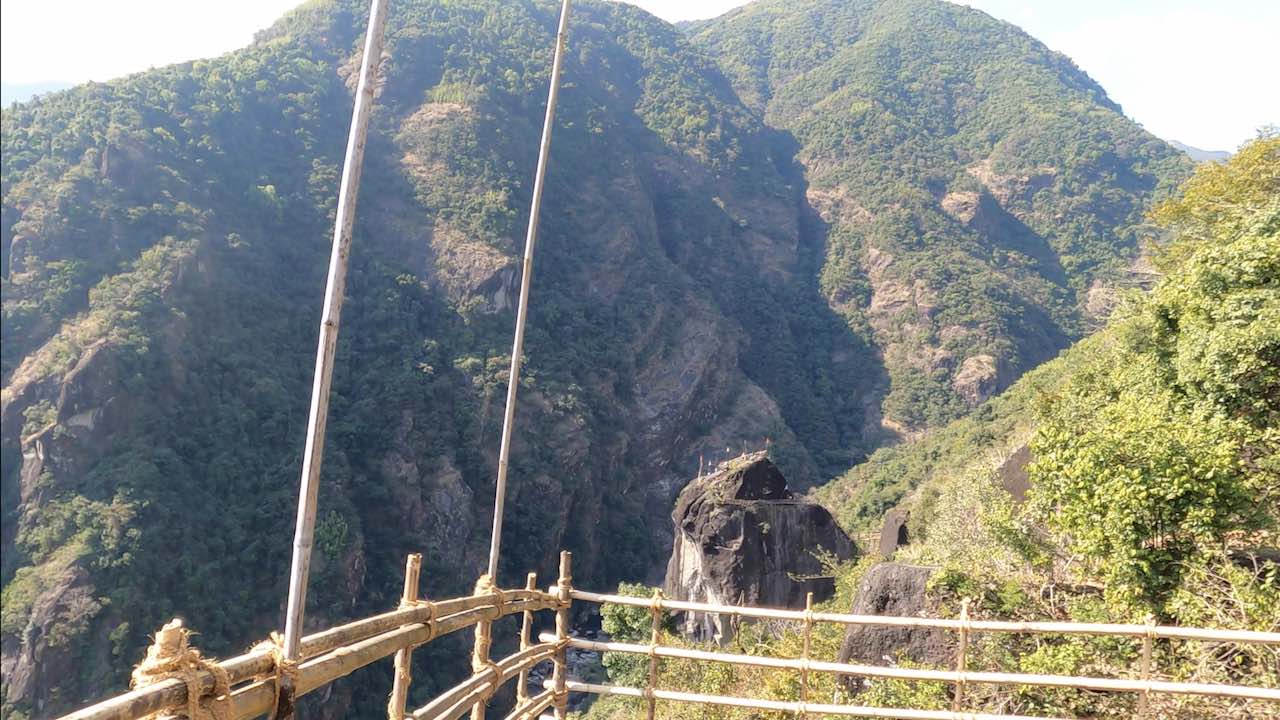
[
  {"x": 804, "y": 658},
  {"x": 962, "y": 650},
  {"x": 480, "y": 662},
  {"x": 792, "y": 707},
  {"x": 404, "y": 656},
  {"x": 1147, "y": 640},
  {"x": 522, "y": 309},
  {"x": 655, "y": 637},
  {"x": 335, "y": 288},
  {"x": 560, "y": 671},
  {"x": 526, "y": 628},
  {"x": 1089, "y": 683},
  {"x": 536, "y": 704},
  {"x": 255, "y": 699},
  {"x": 1064, "y": 628}
]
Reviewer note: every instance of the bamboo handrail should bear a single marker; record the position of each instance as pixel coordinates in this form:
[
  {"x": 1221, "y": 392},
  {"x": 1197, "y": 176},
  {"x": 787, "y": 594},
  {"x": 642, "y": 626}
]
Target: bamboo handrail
[
  {"x": 1090, "y": 683},
  {"x": 794, "y": 707},
  {"x": 451, "y": 615},
  {"x": 1173, "y": 632},
  {"x": 338, "y": 651},
  {"x": 532, "y": 706},
  {"x": 456, "y": 701}
]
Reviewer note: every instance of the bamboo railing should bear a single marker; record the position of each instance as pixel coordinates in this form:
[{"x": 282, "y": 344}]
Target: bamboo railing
[
  {"x": 959, "y": 677},
  {"x": 255, "y": 676}
]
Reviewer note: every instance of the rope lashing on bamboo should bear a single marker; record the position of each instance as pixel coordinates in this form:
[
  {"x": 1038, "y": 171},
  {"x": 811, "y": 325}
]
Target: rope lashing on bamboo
[
  {"x": 283, "y": 669},
  {"x": 480, "y": 661},
  {"x": 558, "y": 696},
  {"x": 432, "y": 617},
  {"x": 172, "y": 657}
]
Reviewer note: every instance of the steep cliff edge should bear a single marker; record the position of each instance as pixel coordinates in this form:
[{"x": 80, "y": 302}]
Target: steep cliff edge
[{"x": 742, "y": 538}]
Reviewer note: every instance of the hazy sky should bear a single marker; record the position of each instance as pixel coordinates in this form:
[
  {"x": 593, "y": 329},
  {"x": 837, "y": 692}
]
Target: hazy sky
[{"x": 1199, "y": 71}]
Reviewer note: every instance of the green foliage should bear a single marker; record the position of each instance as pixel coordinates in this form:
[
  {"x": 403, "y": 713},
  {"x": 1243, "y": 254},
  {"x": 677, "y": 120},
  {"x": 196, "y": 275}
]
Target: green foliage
[
  {"x": 1165, "y": 441},
  {"x": 629, "y": 624}
]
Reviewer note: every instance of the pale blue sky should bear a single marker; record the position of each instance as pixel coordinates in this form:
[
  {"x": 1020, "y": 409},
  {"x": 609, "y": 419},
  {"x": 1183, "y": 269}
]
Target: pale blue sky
[{"x": 1199, "y": 71}]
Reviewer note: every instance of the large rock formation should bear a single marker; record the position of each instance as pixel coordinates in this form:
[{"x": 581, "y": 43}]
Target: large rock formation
[
  {"x": 894, "y": 589},
  {"x": 742, "y": 538}
]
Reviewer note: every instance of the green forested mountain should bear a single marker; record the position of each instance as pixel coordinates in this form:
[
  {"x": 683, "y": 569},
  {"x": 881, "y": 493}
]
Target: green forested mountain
[
  {"x": 783, "y": 225},
  {"x": 980, "y": 193},
  {"x": 1154, "y": 496}
]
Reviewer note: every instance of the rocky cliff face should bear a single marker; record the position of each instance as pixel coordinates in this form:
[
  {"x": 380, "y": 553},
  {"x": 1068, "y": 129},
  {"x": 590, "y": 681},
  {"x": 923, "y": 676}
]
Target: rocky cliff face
[{"x": 742, "y": 538}]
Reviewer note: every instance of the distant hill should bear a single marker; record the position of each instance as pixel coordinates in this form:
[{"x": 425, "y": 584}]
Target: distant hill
[
  {"x": 1199, "y": 155},
  {"x": 21, "y": 92}
]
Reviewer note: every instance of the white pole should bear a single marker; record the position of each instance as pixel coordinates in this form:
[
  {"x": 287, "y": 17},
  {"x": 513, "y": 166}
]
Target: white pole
[
  {"x": 333, "y": 295},
  {"x": 526, "y": 275}
]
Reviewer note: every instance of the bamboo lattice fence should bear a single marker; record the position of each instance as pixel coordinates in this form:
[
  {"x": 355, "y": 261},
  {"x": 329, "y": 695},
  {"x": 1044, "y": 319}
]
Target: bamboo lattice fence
[{"x": 254, "y": 678}]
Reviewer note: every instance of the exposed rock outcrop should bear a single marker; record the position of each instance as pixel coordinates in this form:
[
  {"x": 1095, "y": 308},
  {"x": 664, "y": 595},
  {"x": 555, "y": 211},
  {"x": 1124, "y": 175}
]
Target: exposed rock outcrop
[
  {"x": 893, "y": 589},
  {"x": 894, "y": 533},
  {"x": 1014, "y": 475},
  {"x": 742, "y": 538}
]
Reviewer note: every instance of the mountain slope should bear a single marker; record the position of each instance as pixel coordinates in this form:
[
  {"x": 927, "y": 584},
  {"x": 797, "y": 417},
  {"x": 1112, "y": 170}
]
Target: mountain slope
[
  {"x": 981, "y": 192},
  {"x": 165, "y": 243}
]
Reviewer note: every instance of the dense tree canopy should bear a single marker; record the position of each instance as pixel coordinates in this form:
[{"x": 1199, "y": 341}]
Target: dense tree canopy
[{"x": 1166, "y": 440}]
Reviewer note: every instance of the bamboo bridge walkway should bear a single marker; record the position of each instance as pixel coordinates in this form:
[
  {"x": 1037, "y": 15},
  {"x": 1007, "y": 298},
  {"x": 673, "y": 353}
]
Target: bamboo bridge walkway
[{"x": 253, "y": 684}]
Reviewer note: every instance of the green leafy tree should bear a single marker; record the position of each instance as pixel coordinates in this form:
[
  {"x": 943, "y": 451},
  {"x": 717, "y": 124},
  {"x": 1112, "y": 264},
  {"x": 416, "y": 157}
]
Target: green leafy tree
[{"x": 1165, "y": 442}]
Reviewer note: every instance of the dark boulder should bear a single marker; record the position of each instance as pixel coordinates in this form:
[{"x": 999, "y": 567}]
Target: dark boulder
[
  {"x": 1014, "y": 476},
  {"x": 742, "y": 538},
  {"x": 894, "y": 533},
  {"x": 895, "y": 589}
]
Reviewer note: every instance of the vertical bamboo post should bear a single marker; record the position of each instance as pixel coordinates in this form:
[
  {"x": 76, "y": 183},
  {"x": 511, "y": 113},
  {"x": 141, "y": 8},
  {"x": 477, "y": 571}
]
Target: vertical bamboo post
[
  {"x": 522, "y": 308},
  {"x": 404, "y": 656},
  {"x": 526, "y": 629},
  {"x": 335, "y": 289},
  {"x": 808, "y": 644},
  {"x": 962, "y": 651},
  {"x": 655, "y": 636},
  {"x": 1145, "y": 696},
  {"x": 560, "y": 674},
  {"x": 480, "y": 661}
]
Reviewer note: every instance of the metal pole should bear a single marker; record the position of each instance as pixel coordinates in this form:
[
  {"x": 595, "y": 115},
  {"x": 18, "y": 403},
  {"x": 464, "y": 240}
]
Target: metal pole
[
  {"x": 526, "y": 275},
  {"x": 333, "y": 295}
]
